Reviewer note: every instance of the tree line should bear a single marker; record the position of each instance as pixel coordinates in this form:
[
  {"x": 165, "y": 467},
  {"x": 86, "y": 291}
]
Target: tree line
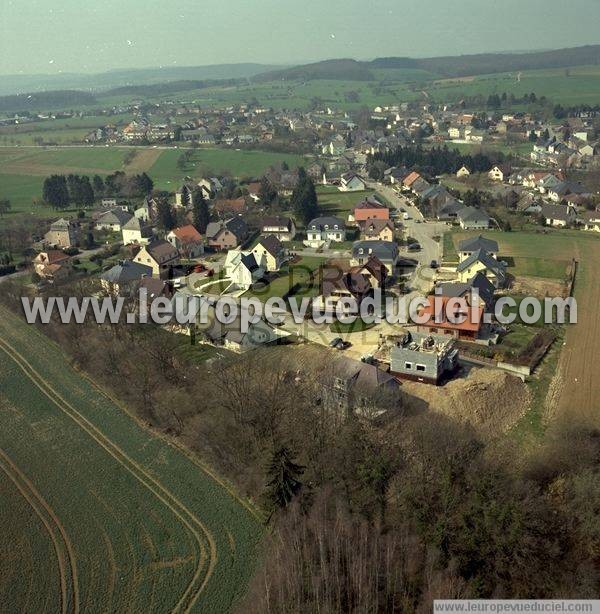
[
  {"x": 62, "y": 191},
  {"x": 433, "y": 161}
]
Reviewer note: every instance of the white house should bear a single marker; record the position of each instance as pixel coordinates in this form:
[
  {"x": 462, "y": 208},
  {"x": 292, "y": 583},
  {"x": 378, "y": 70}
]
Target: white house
[
  {"x": 242, "y": 269},
  {"x": 136, "y": 231},
  {"x": 324, "y": 229},
  {"x": 351, "y": 182}
]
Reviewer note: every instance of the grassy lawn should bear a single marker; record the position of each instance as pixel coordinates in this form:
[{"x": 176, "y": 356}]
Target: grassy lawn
[
  {"x": 334, "y": 202},
  {"x": 355, "y": 327},
  {"x": 530, "y": 253},
  {"x": 303, "y": 273}
]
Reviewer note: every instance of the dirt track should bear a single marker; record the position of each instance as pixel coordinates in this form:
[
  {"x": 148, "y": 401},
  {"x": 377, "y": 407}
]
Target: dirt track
[{"x": 575, "y": 391}]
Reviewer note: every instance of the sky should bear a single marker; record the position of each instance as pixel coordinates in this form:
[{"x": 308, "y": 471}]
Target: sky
[{"x": 89, "y": 36}]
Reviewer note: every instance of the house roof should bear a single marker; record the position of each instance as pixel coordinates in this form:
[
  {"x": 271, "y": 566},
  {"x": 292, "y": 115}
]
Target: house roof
[
  {"x": 475, "y": 243},
  {"x": 281, "y": 223},
  {"x": 52, "y": 256},
  {"x": 488, "y": 261},
  {"x": 384, "y": 250},
  {"x": 557, "y": 212},
  {"x": 114, "y": 216},
  {"x": 126, "y": 271},
  {"x": 187, "y": 234},
  {"x": 471, "y": 316},
  {"x": 374, "y": 227},
  {"x": 319, "y": 223},
  {"x": 471, "y": 214},
  {"x": 162, "y": 251},
  {"x": 156, "y": 287},
  {"x": 272, "y": 244},
  {"x": 374, "y": 266},
  {"x": 410, "y": 179}
]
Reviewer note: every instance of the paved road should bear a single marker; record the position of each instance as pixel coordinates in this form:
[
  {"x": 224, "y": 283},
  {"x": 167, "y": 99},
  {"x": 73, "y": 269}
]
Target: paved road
[{"x": 422, "y": 231}]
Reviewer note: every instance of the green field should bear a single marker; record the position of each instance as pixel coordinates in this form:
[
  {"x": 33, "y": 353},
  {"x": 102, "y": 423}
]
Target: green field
[
  {"x": 536, "y": 254},
  {"x": 577, "y": 85},
  {"x": 218, "y": 161},
  {"x": 334, "y": 202},
  {"x": 126, "y": 519}
]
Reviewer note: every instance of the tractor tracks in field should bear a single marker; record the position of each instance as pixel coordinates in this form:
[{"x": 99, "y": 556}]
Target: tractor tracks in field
[
  {"x": 185, "y": 516},
  {"x": 63, "y": 548}
]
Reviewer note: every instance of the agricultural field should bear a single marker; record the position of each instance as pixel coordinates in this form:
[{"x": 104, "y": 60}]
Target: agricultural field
[
  {"x": 576, "y": 85},
  {"x": 23, "y": 169},
  {"x": 128, "y": 521},
  {"x": 532, "y": 254},
  {"x": 238, "y": 163}
]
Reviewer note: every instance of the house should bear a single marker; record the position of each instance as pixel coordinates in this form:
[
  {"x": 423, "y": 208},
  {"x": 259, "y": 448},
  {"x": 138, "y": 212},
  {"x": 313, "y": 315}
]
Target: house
[
  {"x": 499, "y": 172},
  {"x": 227, "y": 234},
  {"x": 374, "y": 270},
  {"x": 381, "y": 230},
  {"x": 210, "y": 187},
  {"x": 230, "y": 335},
  {"x": 458, "y": 321},
  {"x": 124, "y": 277},
  {"x": 591, "y": 220},
  {"x": 183, "y": 195},
  {"x": 231, "y": 206},
  {"x": 325, "y": 229},
  {"x": 187, "y": 240},
  {"x": 270, "y": 251},
  {"x": 113, "y": 220},
  {"x": 370, "y": 209},
  {"x": 471, "y": 218},
  {"x": 337, "y": 284},
  {"x": 424, "y": 357},
  {"x": 358, "y": 387},
  {"x": 481, "y": 261},
  {"x": 385, "y": 251},
  {"x": 468, "y": 247},
  {"x": 156, "y": 288},
  {"x": 52, "y": 265},
  {"x": 63, "y": 233},
  {"x": 463, "y": 171},
  {"x": 147, "y": 211},
  {"x": 408, "y": 181},
  {"x": 454, "y": 132},
  {"x": 160, "y": 256},
  {"x": 351, "y": 182},
  {"x": 558, "y": 215},
  {"x": 479, "y": 284},
  {"x": 449, "y": 210},
  {"x": 243, "y": 269},
  {"x": 558, "y": 192},
  {"x": 135, "y": 231},
  {"x": 283, "y": 228}
]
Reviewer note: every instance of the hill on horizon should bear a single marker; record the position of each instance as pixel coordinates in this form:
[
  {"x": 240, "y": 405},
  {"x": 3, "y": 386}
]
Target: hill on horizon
[{"x": 443, "y": 67}]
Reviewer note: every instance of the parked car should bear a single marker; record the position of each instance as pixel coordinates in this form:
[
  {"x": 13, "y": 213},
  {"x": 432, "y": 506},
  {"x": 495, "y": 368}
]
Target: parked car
[
  {"x": 414, "y": 247},
  {"x": 434, "y": 264}
]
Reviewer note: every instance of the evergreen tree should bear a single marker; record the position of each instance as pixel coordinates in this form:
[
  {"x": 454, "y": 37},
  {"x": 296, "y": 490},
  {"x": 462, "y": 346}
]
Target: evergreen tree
[
  {"x": 283, "y": 479},
  {"x": 304, "y": 198},
  {"x": 5, "y": 206},
  {"x": 55, "y": 191},
  {"x": 267, "y": 193},
  {"x": 166, "y": 219},
  {"x": 98, "y": 185},
  {"x": 200, "y": 211},
  {"x": 145, "y": 184}
]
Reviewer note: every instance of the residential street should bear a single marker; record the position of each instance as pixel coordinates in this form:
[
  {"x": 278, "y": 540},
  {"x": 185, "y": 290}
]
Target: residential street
[{"x": 423, "y": 232}]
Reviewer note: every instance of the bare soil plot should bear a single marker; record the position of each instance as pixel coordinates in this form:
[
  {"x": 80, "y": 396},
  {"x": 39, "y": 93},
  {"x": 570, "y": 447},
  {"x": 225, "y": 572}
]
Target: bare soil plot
[{"x": 489, "y": 400}]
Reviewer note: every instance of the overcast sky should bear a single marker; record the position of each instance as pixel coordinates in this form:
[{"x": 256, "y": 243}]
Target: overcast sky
[{"x": 50, "y": 36}]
